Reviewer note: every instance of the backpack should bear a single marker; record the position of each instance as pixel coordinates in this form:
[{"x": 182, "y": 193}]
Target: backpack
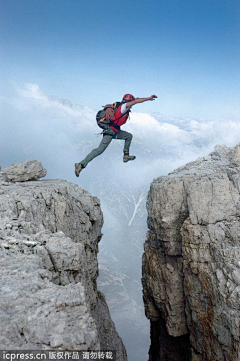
[{"x": 105, "y": 116}]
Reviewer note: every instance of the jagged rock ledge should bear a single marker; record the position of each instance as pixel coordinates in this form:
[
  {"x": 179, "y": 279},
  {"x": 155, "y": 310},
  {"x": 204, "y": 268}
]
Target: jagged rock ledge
[
  {"x": 49, "y": 234},
  {"x": 191, "y": 263}
]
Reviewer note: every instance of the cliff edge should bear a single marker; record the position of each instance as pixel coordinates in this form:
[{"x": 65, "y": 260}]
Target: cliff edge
[
  {"x": 191, "y": 263},
  {"x": 49, "y": 234}
]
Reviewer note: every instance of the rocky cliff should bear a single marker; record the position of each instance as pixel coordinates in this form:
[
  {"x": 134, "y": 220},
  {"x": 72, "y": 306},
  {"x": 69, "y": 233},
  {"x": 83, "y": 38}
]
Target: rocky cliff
[
  {"x": 49, "y": 234},
  {"x": 191, "y": 263}
]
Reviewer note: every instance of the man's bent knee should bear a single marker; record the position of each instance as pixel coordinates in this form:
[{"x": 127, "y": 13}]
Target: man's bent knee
[{"x": 129, "y": 136}]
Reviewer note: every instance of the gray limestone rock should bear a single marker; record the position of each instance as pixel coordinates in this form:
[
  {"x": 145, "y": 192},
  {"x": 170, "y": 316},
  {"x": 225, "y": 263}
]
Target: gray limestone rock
[
  {"x": 191, "y": 263},
  {"x": 49, "y": 235},
  {"x": 21, "y": 172}
]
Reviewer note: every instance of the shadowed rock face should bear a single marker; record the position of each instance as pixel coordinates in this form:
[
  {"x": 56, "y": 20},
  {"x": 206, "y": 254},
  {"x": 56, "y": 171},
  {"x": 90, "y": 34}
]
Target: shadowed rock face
[
  {"x": 49, "y": 234},
  {"x": 191, "y": 263}
]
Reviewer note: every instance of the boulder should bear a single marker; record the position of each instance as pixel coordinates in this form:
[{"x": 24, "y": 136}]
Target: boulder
[{"x": 25, "y": 171}]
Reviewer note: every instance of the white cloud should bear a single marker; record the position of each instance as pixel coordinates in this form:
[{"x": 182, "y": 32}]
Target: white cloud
[
  {"x": 143, "y": 120},
  {"x": 36, "y": 125},
  {"x": 31, "y": 96}
]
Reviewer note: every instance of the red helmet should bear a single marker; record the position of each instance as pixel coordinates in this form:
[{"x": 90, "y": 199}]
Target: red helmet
[{"x": 128, "y": 97}]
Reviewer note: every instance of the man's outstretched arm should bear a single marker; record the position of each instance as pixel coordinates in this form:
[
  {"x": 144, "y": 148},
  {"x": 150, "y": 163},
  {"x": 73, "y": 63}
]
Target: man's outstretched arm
[{"x": 140, "y": 100}]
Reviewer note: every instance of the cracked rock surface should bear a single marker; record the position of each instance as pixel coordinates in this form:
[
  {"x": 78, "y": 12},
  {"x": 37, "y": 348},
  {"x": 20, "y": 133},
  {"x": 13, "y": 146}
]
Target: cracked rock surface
[
  {"x": 49, "y": 234},
  {"x": 191, "y": 263}
]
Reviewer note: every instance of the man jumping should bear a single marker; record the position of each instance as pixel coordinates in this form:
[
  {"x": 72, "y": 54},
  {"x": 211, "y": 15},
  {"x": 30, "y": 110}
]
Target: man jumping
[{"x": 114, "y": 132}]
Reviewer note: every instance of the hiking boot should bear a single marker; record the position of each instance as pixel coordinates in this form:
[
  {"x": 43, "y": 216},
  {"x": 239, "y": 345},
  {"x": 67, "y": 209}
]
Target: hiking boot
[
  {"x": 78, "y": 168},
  {"x": 128, "y": 157}
]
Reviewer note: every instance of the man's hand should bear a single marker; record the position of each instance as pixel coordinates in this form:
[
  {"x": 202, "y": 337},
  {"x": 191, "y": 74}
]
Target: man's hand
[{"x": 152, "y": 97}]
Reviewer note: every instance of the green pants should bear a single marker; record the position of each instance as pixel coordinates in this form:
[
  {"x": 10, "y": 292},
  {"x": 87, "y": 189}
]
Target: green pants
[{"x": 106, "y": 140}]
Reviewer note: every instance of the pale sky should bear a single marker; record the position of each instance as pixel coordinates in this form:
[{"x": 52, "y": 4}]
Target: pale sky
[{"x": 93, "y": 52}]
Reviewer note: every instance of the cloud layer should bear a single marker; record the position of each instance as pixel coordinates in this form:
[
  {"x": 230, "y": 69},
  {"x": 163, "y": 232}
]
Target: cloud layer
[{"x": 35, "y": 125}]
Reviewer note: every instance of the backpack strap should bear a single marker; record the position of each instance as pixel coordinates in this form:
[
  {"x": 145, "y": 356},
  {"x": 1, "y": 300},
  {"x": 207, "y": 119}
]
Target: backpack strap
[
  {"x": 114, "y": 125},
  {"x": 114, "y": 107},
  {"x": 117, "y": 105}
]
